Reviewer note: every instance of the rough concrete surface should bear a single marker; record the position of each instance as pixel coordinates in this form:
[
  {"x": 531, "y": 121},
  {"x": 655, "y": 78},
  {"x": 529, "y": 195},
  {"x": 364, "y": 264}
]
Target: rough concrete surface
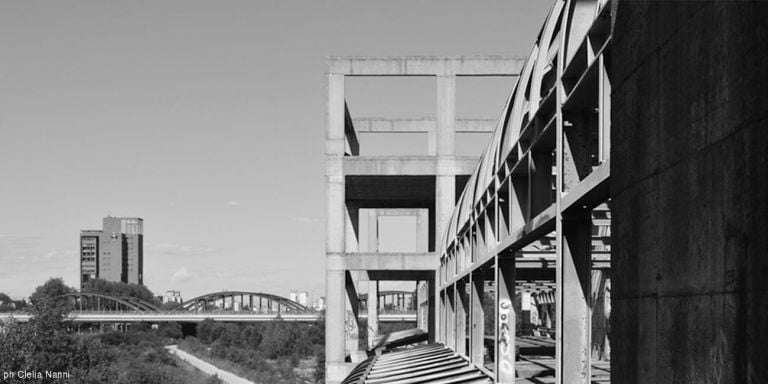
[{"x": 689, "y": 182}]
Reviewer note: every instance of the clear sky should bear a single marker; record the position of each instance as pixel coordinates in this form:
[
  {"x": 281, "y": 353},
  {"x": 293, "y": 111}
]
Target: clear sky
[{"x": 205, "y": 118}]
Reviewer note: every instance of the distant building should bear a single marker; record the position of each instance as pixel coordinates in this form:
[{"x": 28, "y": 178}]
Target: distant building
[
  {"x": 173, "y": 297},
  {"x": 320, "y": 303},
  {"x": 301, "y": 297},
  {"x": 114, "y": 253}
]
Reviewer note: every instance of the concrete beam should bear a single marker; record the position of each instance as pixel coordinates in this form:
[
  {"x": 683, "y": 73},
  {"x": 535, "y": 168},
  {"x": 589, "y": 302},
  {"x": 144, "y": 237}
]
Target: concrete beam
[
  {"x": 475, "y": 125},
  {"x": 427, "y": 124},
  {"x": 377, "y": 124},
  {"x": 412, "y": 165},
  {"x": 425, "y": 66},
  {"x": 388, "y": 261}
]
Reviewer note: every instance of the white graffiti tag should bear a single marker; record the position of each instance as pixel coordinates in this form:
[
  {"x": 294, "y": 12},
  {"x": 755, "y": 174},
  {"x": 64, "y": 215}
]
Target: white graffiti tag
[{"x": 506, "y": 353}]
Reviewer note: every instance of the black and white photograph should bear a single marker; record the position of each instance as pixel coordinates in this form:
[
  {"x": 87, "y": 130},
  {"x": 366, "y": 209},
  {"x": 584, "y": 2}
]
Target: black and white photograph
[{"x": 383, "y": 192}]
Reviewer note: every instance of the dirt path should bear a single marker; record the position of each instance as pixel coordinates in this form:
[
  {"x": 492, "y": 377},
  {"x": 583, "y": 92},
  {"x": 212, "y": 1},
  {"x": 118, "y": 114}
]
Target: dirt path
[{"x": 208, "y": 368}]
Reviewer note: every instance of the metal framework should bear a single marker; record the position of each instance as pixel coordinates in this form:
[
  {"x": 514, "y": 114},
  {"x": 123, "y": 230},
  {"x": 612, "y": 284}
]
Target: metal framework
[
  {"x": 87, "y": 301},
  {"x": 264, "y": 302},
  {"x": 534, "y": 216},
  {"x": 392, "y": 300}
]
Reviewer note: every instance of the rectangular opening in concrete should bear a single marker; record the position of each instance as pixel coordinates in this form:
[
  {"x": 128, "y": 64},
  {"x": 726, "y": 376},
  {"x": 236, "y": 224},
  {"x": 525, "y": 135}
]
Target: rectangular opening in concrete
[
  {"x": 393, "y": 230},
  {"x": 482, "y": 97},
  {"x": 393, "y": 143},
  {"x": 391, "y": 96},
  {"x": 471, "y": 143}
]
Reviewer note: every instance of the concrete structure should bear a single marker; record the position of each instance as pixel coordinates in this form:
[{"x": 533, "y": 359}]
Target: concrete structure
[
  {"x": 364, "y": 189},
  {"x": 533, "y": 219},
  {"x": 115, "y": 253},
  {"x": 689, "y": 186},
  {"x": 675, "y": 93}
]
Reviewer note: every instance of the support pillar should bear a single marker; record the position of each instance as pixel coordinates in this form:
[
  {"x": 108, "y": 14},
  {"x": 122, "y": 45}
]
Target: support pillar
[
  {"x": 373, "y": 313},
  {"x": 335, "y": 324},
  {"x": 450, "y": 324},
  {"x": 335, "y": 228},
  {"x": 462, "y": 306},
  {"x": 445, "y": 183},
  {"x": 477, "y": 337},
  {"x": 505, "y": 322},
  {"x": 574, "y": 282},
  {"x": 432, "y": 324}
]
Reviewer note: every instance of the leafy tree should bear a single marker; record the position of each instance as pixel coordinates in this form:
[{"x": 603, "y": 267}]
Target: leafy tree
[
  {"x": 170, "y": 330},
  {"x": 119, "y": 289},
  {"x": 20, "y": 304},
  {"x": 48, "y": 305},
  {"x": 6, "y": 303}
]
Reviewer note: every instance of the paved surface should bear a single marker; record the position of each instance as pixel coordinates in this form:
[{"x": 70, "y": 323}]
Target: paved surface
[{"x": 208, "y": 368}]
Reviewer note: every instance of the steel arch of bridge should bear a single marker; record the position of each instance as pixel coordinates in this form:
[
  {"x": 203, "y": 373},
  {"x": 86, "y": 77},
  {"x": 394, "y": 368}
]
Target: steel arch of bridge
[
  {"x": 193, "y": 304},
  {"x": 133, "y": 303}
]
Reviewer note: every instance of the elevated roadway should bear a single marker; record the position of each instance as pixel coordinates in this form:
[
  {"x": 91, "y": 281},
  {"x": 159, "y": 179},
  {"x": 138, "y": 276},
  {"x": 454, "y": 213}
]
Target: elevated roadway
[{"x": 134, "y": 317}]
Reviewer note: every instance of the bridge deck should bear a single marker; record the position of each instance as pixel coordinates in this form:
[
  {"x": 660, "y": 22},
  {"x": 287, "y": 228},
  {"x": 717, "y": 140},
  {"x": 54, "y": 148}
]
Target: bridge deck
[{"x": 136, "y": 317}]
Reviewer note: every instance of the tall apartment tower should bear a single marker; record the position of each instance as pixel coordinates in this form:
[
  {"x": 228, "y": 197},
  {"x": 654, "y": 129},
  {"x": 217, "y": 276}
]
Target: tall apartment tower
[{"x": 115, "y": 253}]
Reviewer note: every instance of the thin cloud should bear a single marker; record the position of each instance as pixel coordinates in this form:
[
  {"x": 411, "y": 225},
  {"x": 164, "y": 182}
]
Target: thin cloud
[
  {"x": 233, "y": 203},
  {"x": 181, "y": 275}
]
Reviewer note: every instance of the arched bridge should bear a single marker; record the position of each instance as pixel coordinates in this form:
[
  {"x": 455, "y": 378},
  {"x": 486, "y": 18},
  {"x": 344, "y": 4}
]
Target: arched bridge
[
  {"x": 227, "y": 306},
  {"x": 242, "y": 301},
  {"x": 89, "y": 302}
]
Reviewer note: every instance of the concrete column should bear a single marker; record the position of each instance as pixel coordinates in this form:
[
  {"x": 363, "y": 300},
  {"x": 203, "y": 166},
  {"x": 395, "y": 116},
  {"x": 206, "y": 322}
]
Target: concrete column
[
  {"x": 573, "y": 338},
  {"x": 505, "y": 322},
  {"x": 445, "y": 137},
  {"x": 432, "y": 323},
  {"x": 373, "y": 313},
  {"x": 335, "y": 326},
  {"x": 334, "y": 134},
  {"x": 442, "y": 318},
  {"x": 450, "y": 324},
  {"x": 335, "y": 293},
  {"x": 462, "y": 306},
  {"x": 477, "y": 337}
]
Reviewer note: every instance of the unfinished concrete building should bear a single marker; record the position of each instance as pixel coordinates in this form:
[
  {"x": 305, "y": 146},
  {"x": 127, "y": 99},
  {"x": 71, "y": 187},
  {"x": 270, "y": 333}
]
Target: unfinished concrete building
[
  {"x": 368, "y": 188},
  {"x": 623, "y": 194}
]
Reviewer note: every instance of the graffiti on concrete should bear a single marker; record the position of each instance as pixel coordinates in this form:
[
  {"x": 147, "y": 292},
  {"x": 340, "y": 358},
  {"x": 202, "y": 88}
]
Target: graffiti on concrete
[{"x": 506, "y": 349}]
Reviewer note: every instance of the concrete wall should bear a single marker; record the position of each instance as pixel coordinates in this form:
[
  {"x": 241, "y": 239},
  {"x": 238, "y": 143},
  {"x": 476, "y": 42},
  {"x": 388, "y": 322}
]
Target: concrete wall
[{"x": 689, "y": 181}]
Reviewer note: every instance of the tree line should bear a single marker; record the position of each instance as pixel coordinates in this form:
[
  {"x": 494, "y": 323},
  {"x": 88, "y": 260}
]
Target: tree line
[
  {"x": 46, "y": 343},
  {"x": 275, "y": 352}
]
